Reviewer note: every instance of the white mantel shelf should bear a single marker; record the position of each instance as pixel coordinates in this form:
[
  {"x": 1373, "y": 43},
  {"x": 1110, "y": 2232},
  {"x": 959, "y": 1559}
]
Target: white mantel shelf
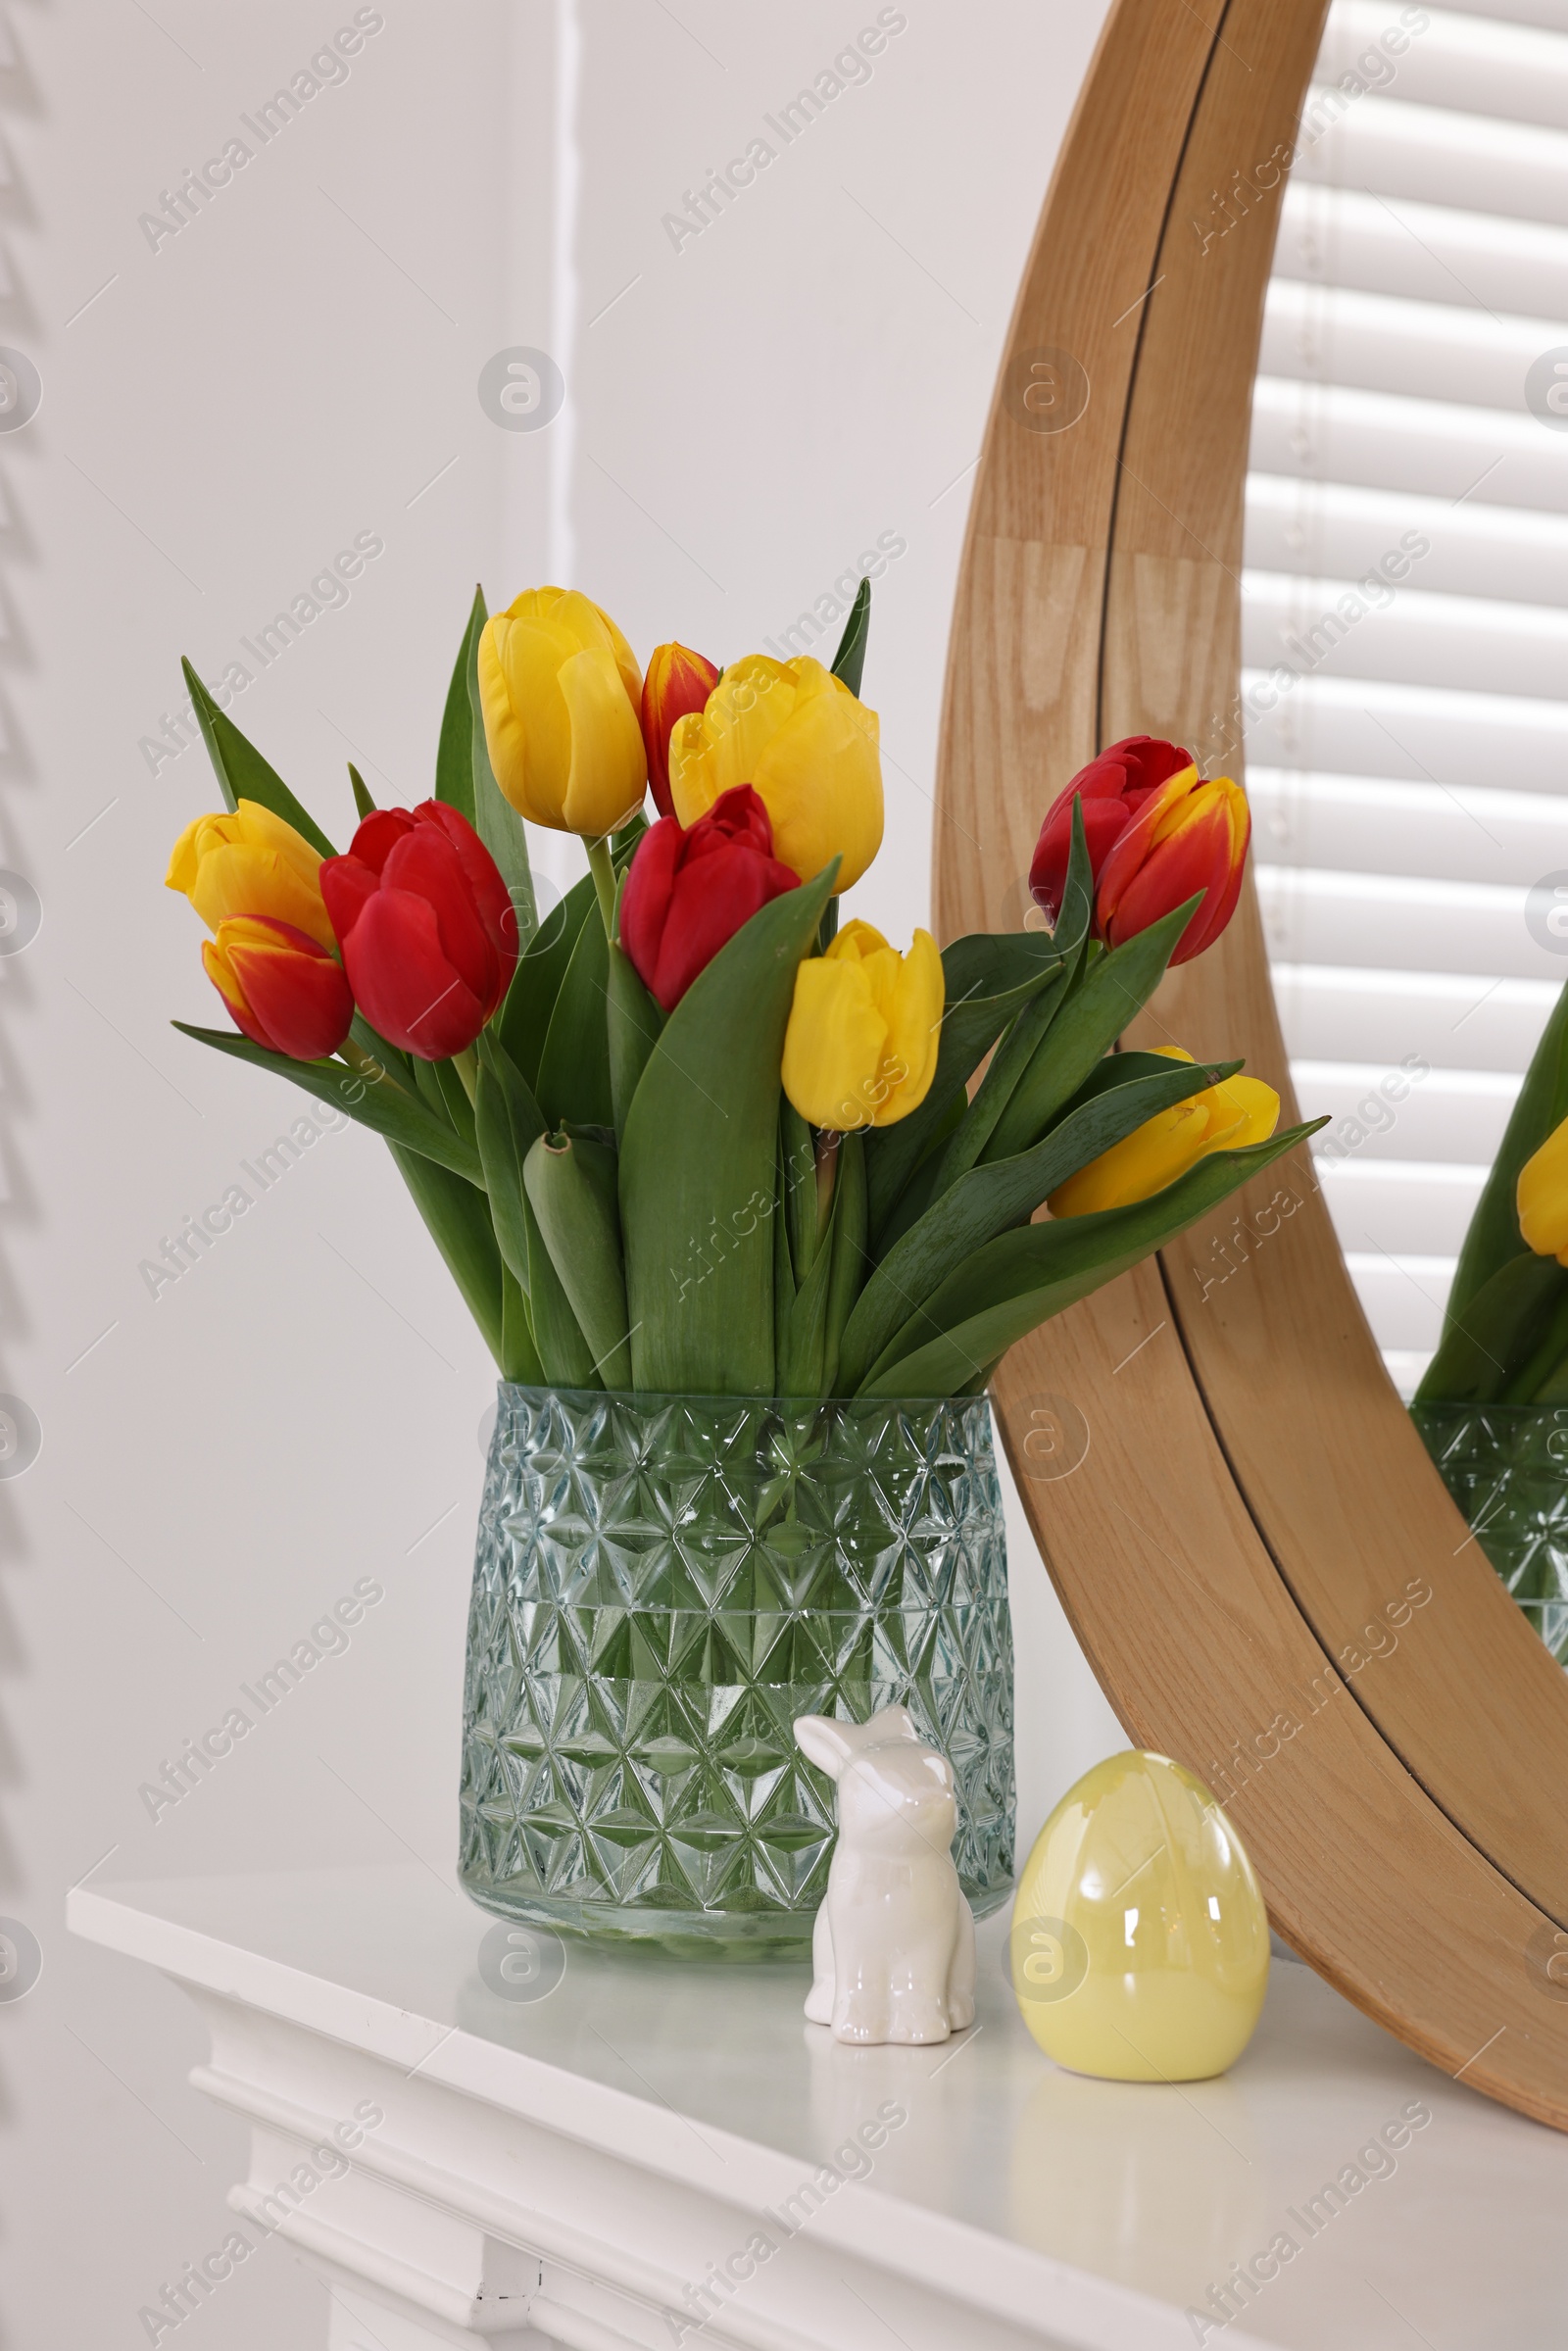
[{"x": 563, "y": 2171}]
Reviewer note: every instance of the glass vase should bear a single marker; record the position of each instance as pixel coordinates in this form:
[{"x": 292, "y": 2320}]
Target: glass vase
[
  {"x": 661, "y": 1587},
  {"x": 1506, "y": 1467}
]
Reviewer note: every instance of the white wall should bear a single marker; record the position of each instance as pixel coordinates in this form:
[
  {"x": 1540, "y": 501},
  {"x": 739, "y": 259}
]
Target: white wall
[{"x": 299, "y": 364}]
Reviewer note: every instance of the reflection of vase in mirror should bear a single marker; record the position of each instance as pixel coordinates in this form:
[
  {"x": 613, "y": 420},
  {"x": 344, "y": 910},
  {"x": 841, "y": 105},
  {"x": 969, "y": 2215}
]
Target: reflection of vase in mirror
[{"x": 1159, "y": 2189}]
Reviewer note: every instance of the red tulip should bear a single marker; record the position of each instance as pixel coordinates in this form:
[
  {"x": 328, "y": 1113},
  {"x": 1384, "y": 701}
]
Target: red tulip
[
  {"x": 1156, "y": 835},
  {"x": 688, "y": 892},
  {"x": 676, "y": 681},
  {"x": 428, "y": 933},
  {"x": 285, "y": 991}
]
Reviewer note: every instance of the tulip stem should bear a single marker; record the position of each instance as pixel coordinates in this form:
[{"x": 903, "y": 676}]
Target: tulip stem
[
  {"x": 467, "y": 1065},
  {"x": 602, "y": 866}
]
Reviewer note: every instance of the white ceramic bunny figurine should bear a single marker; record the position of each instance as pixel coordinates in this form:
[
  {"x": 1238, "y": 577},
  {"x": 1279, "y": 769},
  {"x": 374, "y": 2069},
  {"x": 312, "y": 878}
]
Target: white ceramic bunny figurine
[{"x": 893, "y": 1949}]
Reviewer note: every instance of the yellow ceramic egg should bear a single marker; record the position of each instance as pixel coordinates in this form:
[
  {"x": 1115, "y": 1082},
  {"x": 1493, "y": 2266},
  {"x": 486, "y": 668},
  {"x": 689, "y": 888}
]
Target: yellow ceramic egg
[{"x": 1140, "y": 1939}]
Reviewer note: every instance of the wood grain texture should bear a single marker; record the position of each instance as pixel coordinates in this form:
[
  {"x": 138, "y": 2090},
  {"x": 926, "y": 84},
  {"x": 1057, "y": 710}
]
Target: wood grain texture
[{"x": 1253, "y": 1494}]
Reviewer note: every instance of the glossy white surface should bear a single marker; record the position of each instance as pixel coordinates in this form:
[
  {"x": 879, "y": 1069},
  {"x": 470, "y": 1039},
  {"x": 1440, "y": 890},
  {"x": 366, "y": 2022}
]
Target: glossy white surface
[
  {"x": 893, "y": 1947},
  {"x": 588, "y": 2158}
]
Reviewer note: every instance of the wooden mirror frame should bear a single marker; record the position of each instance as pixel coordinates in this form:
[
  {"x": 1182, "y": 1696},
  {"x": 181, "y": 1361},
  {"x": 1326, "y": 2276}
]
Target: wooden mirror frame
[{"x": 1253, "y": 1496}]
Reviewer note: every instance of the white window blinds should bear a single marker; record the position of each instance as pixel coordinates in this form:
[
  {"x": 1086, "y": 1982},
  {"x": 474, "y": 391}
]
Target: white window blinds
[{"x": 1407, "y": 565}]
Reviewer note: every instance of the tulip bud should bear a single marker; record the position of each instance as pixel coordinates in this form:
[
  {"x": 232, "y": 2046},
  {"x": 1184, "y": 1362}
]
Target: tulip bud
[
  {"x": 1156, "y": 835},
  {"x": 570, "y": 1185},
  {"x": 1238, "y": 1111},
  {"x": 800, "y": 737},
  {"x": 688, "y": 892},
  {"x": 861, "y": 1049},
  {"x": 250, "y": 863},
  {"x": 428, "y": 933},
  {"x": 1541, "y": 1197},
  {"x": 677, "y": 680},
  {"x": 283, "y": 991},
  {"x": 561, "y": 691}
]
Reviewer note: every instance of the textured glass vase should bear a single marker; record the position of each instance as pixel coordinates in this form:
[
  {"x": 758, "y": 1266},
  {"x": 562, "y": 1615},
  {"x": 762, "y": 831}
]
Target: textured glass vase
[
  {"x": 1506, "y": 1466},
  {"x": 661, "y": 1585}
]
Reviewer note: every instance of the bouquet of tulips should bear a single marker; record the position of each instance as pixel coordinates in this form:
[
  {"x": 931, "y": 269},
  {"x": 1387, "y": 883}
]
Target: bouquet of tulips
[{"x": 691, "y": 1135}]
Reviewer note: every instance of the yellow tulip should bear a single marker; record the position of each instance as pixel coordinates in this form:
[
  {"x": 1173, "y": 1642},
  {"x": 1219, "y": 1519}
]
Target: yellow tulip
[
  {"x": 1541, "y": 1197},
  {"x": 1224, "y": 1118},
  {"x": 250, "y": 863},
  {"x": 799, "y": 735},
  {"x": 861, "y": 1044},
  {"x": 561, "y": 693}
]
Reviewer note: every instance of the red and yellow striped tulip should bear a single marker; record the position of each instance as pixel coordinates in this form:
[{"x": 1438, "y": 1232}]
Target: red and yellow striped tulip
[
  {"x": 675, "y": 682},
  {"x": 1156, "y": 835},
  {"x": 283, "y": 991}
]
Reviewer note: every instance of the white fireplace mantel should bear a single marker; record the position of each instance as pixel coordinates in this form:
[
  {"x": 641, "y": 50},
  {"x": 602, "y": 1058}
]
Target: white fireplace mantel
[{"x": 578, "y": 2169}]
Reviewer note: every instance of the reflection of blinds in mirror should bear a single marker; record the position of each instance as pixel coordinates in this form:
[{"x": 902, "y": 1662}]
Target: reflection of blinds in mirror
[{"x": 1407, "y": 567}]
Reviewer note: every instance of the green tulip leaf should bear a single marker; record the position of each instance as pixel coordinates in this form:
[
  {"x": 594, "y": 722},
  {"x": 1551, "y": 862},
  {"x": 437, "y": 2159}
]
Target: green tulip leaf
[
  {"x": 455, "y": 1100},
  {"x": 699, "y": 1163},
  {"x": 848, "y": 662},
  {"x": 1112, "y": 988},
  {"x": 524, "y": 1020},
  {"x": 385, "y": 1056},
  {"x": 635, "y": 1019},
  {"x": 1539, "y": 1379},
  {"x": 989, "y": 976},
  {"x": 496, "y": 821},
  {"x": 850, "y": 1221},
  {"x": 465, "y": 780},
  {"x": 519, "y": 1357},
  {"x": 573, "y": 1082},
  {"x": 508, "y": 1122},
  {"x": 363, "y": 801},
  {"x": 623, "y": 845},
  {"x": 241, "y": 772},
  {"x": 1491, "y": 1337},
  {"x": 571, "y": 1184},
  {"x": 1493, "y": 1236},
  {"x": 1022, "y": 1278},
  {"x": 803, "y": 1216},
  {"x": 454, "y": 754},
  {"x": 804, "y": 1351},
  {"x": 563, "y": 1352},
  {"x": 1002, "y": 1193},
  {"x": 784, "y": 1291},
  {"x": 378, "y": 1104},
  {"x": 991, "y": 979},
  {"x": 979, "y": 1121},
  {"x": 427, "y": 1086},
  {"x": 459, "y": 1223}
]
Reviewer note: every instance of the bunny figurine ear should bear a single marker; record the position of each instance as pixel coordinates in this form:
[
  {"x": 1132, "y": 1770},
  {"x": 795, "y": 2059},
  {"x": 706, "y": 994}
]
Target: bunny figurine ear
[
  {"x": 894, "y": 1722},
  {"x": 830, "y": 1744},
  {"x": 827, "y": 1743}
]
